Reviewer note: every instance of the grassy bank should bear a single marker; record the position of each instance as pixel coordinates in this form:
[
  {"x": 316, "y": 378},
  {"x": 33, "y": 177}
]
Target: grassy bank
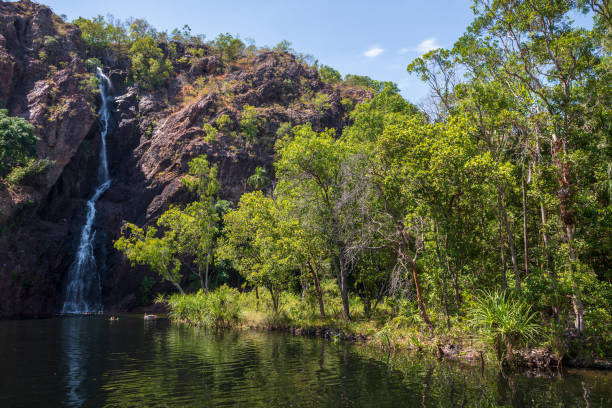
[{"x": 390, "y": 326}]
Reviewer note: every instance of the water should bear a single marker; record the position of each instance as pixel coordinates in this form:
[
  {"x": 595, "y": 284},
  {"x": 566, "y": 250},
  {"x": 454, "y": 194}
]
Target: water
[
  {"x": 90, "y": 361},
  {"x": 83, "y": 289}
]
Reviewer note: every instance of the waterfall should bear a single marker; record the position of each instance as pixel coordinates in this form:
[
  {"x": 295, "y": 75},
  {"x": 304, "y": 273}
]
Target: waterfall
[{"x": 84, "y": 288}]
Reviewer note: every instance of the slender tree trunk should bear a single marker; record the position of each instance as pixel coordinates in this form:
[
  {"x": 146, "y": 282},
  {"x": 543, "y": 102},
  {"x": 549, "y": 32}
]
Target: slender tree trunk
[
  {"x": 176, "y": 285},
  {"x": 510, "y": 242},
  {"x": 317, "y": 282},
  {"x": 417, "y": 286},
  {"x": 207, "y": 270},
  {"x": 544, "y": 221},
  {"x": 202, "y": 282},
  {"x": 412, "y": 265},
  {"x": 525, "y": 242},
  {"x": 275, "y": 295},
  {"x": 443, "y": 271},
  {"x": 502, "y": 247},
  {"x": 455, "y": 274},
  {"x": 342, "y": 284}
]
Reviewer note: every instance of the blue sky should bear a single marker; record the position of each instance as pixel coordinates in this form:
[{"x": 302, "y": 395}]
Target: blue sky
[{"x": 374, "y": 38}]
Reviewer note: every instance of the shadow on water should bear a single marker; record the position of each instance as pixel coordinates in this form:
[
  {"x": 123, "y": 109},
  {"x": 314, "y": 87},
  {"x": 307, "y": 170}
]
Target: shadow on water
[{"x": 91, "y": 361}]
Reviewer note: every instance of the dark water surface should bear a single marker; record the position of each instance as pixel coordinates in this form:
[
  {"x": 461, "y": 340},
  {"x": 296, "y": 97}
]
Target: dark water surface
[{"x": 93, "y": 362}]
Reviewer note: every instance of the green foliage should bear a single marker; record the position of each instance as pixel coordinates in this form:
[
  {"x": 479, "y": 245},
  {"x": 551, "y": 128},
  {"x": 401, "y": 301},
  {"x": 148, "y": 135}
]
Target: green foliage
[
  {"x": 210, "y": 132},
  {"x": 249, "y": 123},
  {"x": 329, "y": 74},
  {"x": 259, "y": 180},
  {"x": 189, "y": 235},
  {"x": 17, "y": 144},
  {"x": 150, "y": 67},
  {"x": 369, "y": 83},
  {"x": 255, "y": 244},
  {"x": 202, "y": 178},
  {"x": 145, "y": 248},
  {"x": 503, "y": 321},
  {"x": 99, "y": 34},
  {"x": 347, "y": 104},
  {"x": 228, "y": 47},
  {"x": 224, "y": 122},
  {"x": 92, "y": 63},
  {"x": 284, "y": 46},
  {"x": 29, "y": 172},
  {"x": 217, "y": 309},
  {"x": 321, "y": 102},
  {"x": 90, "y": 84},
  {"x": 283, "y": 130}
]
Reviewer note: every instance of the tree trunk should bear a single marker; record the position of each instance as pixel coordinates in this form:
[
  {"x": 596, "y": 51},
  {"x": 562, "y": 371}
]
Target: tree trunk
[
  {"x": 203, "y": 283},
  {"x": 415, "y": 276},
  {"x": 315, "y": 277},
  {"x": 510, "y": 242},
  {"x": 502, "y": 248},
  {"x": 443, "y": 271},
  {"x": 341, "y": 276},
  {"x": 525, "y": 242},
  {"x": 275, "y": 295},
  {"x": 178, "y": 286},
  {"x": 206, "y": 272}
]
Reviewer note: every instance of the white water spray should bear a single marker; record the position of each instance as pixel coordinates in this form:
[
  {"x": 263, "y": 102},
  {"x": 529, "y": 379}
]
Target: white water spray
[{"x": 84, "y": 288}]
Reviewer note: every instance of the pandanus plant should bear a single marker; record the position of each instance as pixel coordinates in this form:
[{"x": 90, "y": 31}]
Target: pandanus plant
[{"x": 503, "y": 321}]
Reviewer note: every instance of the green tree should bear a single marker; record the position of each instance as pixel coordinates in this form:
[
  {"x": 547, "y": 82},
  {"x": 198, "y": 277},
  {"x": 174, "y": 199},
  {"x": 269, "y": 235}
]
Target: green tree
[
  {"x": 249, "y": 123},
  {"x": 329, "y": 74},
  {"x": 159, "y": 253},
  {"x": 309, "y": 170},
  {"x": 256, "y": 246},
  {"x": 17, "y": 142},
  {"x": 228, "y": 47},
  {"x": 150, "y": 68}
]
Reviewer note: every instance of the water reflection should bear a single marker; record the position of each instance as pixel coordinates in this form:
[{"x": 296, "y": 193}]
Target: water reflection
[
  {"x": 89, "y": 361},
  {"x": 74, "y": 359}
]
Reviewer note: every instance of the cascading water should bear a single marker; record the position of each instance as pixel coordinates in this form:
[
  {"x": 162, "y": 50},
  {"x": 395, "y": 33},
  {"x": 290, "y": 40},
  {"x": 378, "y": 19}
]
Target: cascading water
[{"x": 83, "y": 289}]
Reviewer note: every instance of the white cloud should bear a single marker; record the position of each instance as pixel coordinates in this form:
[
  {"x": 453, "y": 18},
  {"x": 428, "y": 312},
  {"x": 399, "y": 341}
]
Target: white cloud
[
  {"x": 427, "y": 45},
  {"x": 424, "y": 46},
  {"x": 373, "y": 52}
]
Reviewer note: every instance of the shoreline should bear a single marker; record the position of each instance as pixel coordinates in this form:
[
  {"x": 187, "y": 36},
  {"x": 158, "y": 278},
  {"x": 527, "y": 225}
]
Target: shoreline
[{"x": 538, "y": 360}]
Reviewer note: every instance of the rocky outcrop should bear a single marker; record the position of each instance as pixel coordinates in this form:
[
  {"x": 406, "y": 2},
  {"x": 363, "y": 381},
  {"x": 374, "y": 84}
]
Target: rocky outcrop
[
  {"x": 42, "y": 79},
  {"x": 154, "y": 137}
]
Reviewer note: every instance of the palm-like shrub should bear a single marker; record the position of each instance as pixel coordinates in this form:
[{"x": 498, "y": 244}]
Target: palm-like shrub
[{"x": 504, "y": 322}]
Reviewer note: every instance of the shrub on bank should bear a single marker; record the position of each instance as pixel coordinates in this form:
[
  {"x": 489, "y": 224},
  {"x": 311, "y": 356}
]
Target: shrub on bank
[{"x": 217, "y": 309}]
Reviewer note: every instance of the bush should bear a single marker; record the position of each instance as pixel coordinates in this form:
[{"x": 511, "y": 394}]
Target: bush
[
  {"x": 210, "y": 132},
  {"x": 17, "y": 142},
  {"x": 503, "y": 322},
  {"x": 321, "y": 102},
  {"x": 150, "y": 68},
  {"x": 92, "y": 63},
  {"x": 218, "y": 309},
  {"x": 329, "y": 75},
  {"x": 28, "y": 174},
  {"x": 249, "y": 123},
  {"x": 228, "y": 47}
]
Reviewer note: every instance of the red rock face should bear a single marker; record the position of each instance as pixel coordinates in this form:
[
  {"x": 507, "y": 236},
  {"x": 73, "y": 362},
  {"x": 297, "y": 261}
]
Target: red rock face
[
  {"x": 48, "y": 94},
  {"x": 155, "y": 137}
]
